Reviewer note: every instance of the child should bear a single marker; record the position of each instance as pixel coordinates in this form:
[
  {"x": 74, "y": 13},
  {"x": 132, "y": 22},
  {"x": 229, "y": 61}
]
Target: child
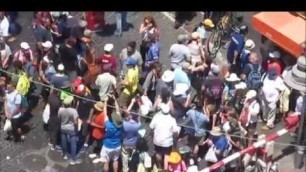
[{"x": 175, "y": 163}]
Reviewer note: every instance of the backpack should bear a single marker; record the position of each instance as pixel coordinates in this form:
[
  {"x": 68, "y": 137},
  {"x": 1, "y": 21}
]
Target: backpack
[
  {"x": 23, "y": 84},
  {"x": 254, "y": 78},
  {"x": 153, "y": 53},
  {"x": 215, "y": 90}
]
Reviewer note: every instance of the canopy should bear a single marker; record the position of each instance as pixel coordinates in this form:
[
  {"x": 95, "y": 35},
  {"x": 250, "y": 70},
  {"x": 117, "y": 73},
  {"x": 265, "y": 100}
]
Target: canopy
[{"x": 283, "y": 28}]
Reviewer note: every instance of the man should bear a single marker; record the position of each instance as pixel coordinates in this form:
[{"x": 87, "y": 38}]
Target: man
[
  {"x": 112, "y": 140},
  {"x": 5, "y": 54},
  {"x": 24, "y": 54},
  {"x": 130, "y": 51},
  {"x": 121, "y": 22},
  {"x": 68, "y": 56},
  {"x": 181, "y": 74},
  {"x": 107, "y": 83},
  {"x": 166, "y": 81},
  {"x": 130, "y": 83},
  {"x": 273, "y": 88},
  {"x": 49, "y": 51},
  {"x": 275, "y": 62},
  {"x": 164, "y": 133},
  {"x": 4, "y": 27},
  {"x": 236, "y": 45},
  {"x": 47, "y": 70},
  {"x": 69, "y": 120},
  {"x": 131, "y": 125},
  {"x": 107, "y": 59},
  {"x": 252, "y": 73},
  {"x": 60, "y": 77},
  {"x": 179, "y": 52},
  {"x": 12, "y": 110},
  {"x": 245, "y": 54}
]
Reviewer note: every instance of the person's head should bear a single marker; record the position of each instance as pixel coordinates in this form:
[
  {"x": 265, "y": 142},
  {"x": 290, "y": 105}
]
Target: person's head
[
  {"x": 214, "y": 69},
  {"x": 71, "y": 41},
  {"x": 46, "y": 61},
  {"x": 149, "y": 22},
  {"x": 244, "y": 29},
  {"x": 17, "y": 65},
  {"x": 108, "y": 48},
  {"x": 199, "y": 102},
  {"x": 232, "y": 79},
  {"x": 11, "y": 86},
  {"x": 68, "y": 101},
  {"x": 82, "y": 24},
  {"x": 61, "y": 68},
  {"x": 182, "y": 39},
  {"x": 253, "y": 58},
  {"x": 24, "y": 46},
  {"x": 46, "y": 22},
  {"x": 274, "y": 55},
  {"x": 165, "y": 109},
  {"x": 131, "y": 47},
  {"x": 130, "y": 62},
  {"x": 99, "y": 106},
  {"x": 157, "y": 68},
  {"x": 47, "y": 46},
  {"x": 272, "y": 73},
  {"x": 195, "y": 36},
  {"x": 165, "y": 95}
]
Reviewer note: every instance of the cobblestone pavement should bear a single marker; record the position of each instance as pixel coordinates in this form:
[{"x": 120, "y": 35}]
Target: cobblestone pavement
[{"x": 34, "y": 154}]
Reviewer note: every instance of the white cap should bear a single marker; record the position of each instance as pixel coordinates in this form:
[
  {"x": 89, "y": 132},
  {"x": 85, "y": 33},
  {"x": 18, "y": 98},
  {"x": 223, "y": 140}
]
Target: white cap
[
  {"x": 24, "y": 45},
  {"x": 168, "y": 76},
  {"x": 251, "y": 94},
  {"x": 108, "y": 47},
  {"x": 47, "y": 44},
  {"x": 274, "y": 55},
  {"x": 249, "y": 44},
  {"x": 165, "y": 108},
  {"x": 46, "y": 59},
  {"x": 214, "y": 68},
  {"x": 180, "y": 89},
  {"x": 60, "y": 67}
]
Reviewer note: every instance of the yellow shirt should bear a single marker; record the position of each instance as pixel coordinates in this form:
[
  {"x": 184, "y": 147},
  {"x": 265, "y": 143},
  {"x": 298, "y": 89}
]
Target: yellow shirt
[{"x": 132, "y": 78}]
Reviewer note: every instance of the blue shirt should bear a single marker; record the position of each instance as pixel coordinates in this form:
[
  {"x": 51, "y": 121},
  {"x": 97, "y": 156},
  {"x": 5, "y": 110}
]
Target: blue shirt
[
  {"x": 130, "y": 128},
  {"x": 236, "y": 44},
  {"x": 220, "y": 142},
  {"x": 199, "y": 120},
  {"x": 201, "y": 30},
  {"x": 49, "y": 72},
  {"x": 113, "y": 135},
  {"x": 180, "y": 76}
]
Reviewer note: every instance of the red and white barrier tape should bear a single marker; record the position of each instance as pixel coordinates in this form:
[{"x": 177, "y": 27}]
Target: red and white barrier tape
[{"x": 250, "y": 149}]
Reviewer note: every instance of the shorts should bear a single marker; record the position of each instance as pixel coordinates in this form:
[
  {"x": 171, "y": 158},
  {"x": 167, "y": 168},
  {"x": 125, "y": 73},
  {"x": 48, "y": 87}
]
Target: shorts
[
  {"x": 284, "y": 100},
  {"x": 163, "y": 150},
  {"x": 194, "y": 140},
  {"x": 108, "y": 154}
]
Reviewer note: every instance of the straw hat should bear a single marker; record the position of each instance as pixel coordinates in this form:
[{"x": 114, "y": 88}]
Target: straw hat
[
  {"x": 174, "y": 158},
  {"x": 216, "y": 131},
  {"x": 295, "y": 78},
  {"x": 249, "y": 44},
  {"x": 99, "y": 106}
]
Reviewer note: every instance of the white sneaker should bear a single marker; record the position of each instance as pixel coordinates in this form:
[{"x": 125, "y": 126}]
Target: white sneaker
[
  {"x": 97, "y": 160},
  {"x": 92, "y": 156}
]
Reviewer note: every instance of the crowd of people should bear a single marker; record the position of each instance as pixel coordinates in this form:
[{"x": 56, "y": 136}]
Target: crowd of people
[{"x": 115, "y": 103}]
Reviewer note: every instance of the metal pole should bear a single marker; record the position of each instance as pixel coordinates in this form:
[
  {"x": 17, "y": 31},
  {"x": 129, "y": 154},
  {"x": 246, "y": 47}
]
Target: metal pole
[{"x": 300, "y": 150}]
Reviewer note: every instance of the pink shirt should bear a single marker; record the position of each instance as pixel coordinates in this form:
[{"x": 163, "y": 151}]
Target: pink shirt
[{"x": 181, "y": 167}]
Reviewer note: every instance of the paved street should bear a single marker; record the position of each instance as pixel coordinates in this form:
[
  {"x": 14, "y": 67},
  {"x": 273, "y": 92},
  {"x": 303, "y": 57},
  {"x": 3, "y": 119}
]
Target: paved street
[{"x": 34, "y": 154}]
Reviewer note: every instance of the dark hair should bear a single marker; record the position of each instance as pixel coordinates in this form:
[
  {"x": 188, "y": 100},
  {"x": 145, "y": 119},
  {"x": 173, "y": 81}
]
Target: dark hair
[
  {"x": 17, "y": 64},
  {"x": 151, "y": 20},
  {"x": 132, "y": 44}
]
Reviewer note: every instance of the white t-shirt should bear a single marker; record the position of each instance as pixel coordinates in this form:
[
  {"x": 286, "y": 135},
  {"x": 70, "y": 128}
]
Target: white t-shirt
[
  {"x": 13, "y": 99},
  {"x": 254, "y": 109},
  {"x": 105, "y": 82},
  {"x": 164, "y": 126},
  {"x": 278, "y": 83},
  {"x": 4, "y": 27}
]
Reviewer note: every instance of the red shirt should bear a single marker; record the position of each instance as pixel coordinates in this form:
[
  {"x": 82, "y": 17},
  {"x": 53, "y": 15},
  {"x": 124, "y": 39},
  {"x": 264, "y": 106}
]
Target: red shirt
[
  {"x": 106, "y": 61},
  {"x": 276, "y": 65},
  {"x": 98, "y": 133}
]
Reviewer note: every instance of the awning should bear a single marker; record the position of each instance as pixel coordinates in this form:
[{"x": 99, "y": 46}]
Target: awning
[{"x": 286, "y": 30}]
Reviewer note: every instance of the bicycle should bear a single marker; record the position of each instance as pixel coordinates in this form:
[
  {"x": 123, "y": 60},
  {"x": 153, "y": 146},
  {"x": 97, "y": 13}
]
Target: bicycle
[{"x": 217, "y": 38}]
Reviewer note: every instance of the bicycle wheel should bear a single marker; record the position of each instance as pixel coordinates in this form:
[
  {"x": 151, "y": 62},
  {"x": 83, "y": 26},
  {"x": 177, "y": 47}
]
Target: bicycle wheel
[{"x": 214, "y": 42}]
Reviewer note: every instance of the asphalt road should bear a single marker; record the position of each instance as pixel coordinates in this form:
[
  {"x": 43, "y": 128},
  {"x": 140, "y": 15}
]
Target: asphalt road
[{"x": 34, "y": 154}]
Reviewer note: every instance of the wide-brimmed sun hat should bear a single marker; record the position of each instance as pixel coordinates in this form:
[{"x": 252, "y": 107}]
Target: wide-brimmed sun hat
[
  {"x": 232, "y": 78},
  {"x": 99, "y": 106}
]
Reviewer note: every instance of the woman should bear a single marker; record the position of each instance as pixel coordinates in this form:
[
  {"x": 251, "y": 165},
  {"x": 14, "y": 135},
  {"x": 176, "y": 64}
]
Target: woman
[
  {"x": 150, "y": 83},
  {"x": 97, "y": 124},
  {"x": 147, "y": 28}
]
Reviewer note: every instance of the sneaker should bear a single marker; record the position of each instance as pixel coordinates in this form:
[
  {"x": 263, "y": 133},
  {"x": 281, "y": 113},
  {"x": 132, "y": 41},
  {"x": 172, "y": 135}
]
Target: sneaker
[
  {"x": 92, "y": 156},
  {"x": 58, "y": 148},
  {"x": 83, "y": 149},
  {"x": 65, "y": 157},
  {"x": 77, "y": 161},
  {"x": 50, "y": 144},
  {"x": 97, "y": 160}
]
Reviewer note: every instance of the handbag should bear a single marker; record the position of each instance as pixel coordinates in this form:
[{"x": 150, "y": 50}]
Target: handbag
[
  {"x": 211, "y": 155},
  {"x": 8, "y": 125},
  {"x": 46, "y": 114}
]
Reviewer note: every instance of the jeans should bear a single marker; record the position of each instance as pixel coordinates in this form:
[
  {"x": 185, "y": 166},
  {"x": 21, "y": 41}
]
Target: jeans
[
  {"x": 121, "y": 22},
  {"x": 126, "y": 153},
  {"x": 69, "y": 136}
]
